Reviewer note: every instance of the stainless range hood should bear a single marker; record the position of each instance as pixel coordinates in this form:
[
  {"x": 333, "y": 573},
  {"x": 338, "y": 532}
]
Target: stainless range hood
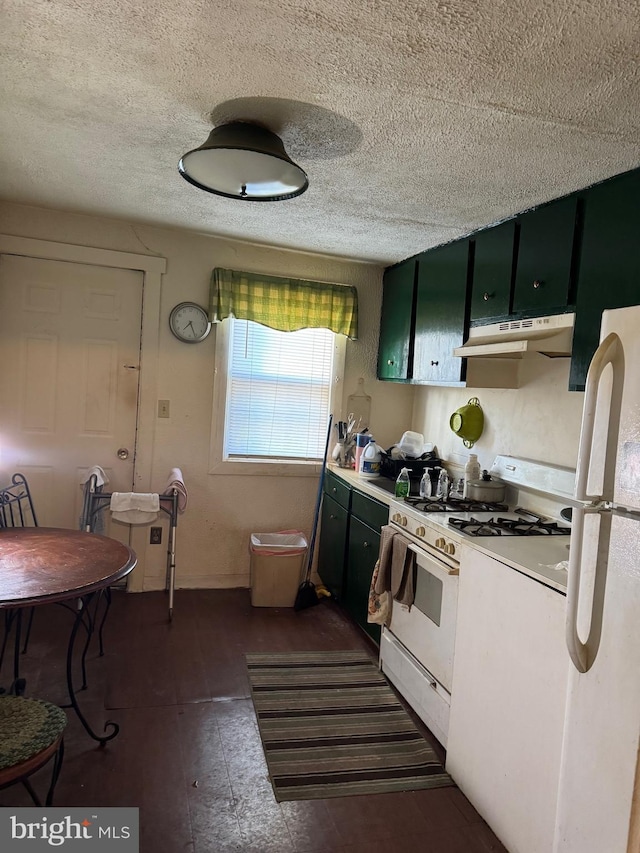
[{"x": 514, "y": 339}]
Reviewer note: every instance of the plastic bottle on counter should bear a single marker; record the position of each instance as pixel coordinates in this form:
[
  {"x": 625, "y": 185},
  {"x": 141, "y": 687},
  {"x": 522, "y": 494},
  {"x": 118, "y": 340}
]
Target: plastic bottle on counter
[
  {"x": 471, "y": 472},
  {"x": 362, "y": 439},
  {"x": 425, "y": 484},
  {"x": 370, "y": 461},
  {"x": 443, "y": 485},
  {"x": 402, "y": 484}
]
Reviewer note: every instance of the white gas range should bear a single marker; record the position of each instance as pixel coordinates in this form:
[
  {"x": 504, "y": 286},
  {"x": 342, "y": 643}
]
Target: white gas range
[{"x": 526, "y": 533}]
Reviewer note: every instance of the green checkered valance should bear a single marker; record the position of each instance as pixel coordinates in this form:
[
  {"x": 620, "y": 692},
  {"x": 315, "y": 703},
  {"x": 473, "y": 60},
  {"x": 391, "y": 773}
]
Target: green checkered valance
[{"x": 286, "y": 304}]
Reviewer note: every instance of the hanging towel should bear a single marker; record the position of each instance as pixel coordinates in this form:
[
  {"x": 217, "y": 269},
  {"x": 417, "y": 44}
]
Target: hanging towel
[
  {"x": 134, "y": 507},
  {"x": 176, "y": 481},
  {"x": 403, "y": 571},
  {"x": 379, "y": 605},
  {"x": 396, "y": 574},
  {"x": 101, "y": 477},
  {"x": 383, "y": 580}
]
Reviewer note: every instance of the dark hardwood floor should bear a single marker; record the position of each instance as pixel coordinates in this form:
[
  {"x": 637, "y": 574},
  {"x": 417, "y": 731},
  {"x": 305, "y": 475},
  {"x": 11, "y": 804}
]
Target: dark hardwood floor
[{"x": 189, "y": 753}]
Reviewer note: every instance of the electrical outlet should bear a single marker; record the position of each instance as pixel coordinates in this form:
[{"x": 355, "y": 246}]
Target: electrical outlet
[
  {"x": 163, "y": 409},
  {"x": 155, "y": 536}
]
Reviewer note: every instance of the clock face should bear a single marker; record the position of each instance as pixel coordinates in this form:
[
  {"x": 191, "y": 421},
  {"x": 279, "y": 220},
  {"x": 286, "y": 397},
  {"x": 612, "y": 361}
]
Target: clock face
[{"x": 189, "y": 322}]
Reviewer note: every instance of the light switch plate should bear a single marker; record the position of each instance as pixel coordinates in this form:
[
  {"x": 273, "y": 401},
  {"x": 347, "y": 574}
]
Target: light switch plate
[{"x": 163, "y": 409}]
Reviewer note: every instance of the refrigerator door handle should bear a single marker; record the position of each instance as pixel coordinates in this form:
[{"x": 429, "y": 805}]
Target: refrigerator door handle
[
  {"x": 584, "y": 654},
  {"x": 609, "y": 352}
]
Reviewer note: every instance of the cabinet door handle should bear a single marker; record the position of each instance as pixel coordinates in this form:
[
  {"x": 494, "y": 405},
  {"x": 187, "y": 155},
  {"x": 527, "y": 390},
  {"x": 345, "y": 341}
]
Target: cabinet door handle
[
  {"x": 390, "y": 362},
  {"x": 332, "y": 516},
  {"x": 537, "y": 284},
  {"x": 487, "y": 296},
  {"x": 365, "y": 544},
  {"x": 334, "y": 490},
  {"x": 434, "y": 363}
]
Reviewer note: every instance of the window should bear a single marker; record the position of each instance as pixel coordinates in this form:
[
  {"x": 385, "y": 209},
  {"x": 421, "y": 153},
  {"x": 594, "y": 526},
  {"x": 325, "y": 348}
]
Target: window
[{"x": 273, "y": 396}]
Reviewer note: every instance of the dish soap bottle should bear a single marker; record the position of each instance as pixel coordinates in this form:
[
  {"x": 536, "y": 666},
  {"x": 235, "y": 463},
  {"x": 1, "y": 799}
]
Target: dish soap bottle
[
  {"x": 471, "y": 472},
  {"x": 443, "y": 485},
  {"x": 425, "y": 485},
  {"x": 402, "y": 484}
]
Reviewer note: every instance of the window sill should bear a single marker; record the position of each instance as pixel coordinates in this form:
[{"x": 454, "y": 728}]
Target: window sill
[{"x": 267, "y": 468}]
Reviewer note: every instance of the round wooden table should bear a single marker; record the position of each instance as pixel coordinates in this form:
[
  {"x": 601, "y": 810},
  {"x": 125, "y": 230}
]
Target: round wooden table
[{"x": 48, "y": 565}]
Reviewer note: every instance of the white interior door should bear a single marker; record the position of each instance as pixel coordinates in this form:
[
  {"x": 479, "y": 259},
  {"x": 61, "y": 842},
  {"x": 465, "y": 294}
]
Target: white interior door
[{"x": 70, "y": 354}]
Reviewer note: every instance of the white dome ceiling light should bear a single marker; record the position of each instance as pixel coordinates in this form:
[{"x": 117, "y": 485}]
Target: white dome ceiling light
[{"x": 244, "y": 161}]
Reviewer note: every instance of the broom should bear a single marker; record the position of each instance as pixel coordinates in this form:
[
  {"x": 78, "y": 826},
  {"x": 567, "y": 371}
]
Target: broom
[{"x": 307, "y": 595}]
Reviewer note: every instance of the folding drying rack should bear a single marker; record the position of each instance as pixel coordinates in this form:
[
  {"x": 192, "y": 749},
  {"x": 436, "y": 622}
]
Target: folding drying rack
[{"x": 95, "y": 500}]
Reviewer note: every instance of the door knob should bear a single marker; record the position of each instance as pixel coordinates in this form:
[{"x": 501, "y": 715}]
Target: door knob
[{"x": 123, "y": 453}]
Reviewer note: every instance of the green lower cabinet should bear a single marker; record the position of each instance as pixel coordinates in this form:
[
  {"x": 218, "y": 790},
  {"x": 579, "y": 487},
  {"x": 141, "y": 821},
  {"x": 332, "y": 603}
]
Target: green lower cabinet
[
  {"x": 332, "y": 546},
  {"x": 362, "y": 553}
]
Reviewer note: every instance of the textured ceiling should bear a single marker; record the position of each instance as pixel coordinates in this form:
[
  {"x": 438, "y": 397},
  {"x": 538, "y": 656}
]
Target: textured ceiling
[{"x": 417, "y": 122}]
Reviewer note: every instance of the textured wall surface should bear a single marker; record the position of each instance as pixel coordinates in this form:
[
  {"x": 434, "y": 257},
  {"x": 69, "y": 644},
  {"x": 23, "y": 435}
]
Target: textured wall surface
[
  {"x": 223, "y": 510},
  {"x": 540, "y": 420},
  {"x": 417, "y": 121}
]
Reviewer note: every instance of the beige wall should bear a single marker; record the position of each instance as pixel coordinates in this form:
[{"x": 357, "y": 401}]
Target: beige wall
[
  {"x": 213, "y": 534},
  {"x": 540, "y": 420}
]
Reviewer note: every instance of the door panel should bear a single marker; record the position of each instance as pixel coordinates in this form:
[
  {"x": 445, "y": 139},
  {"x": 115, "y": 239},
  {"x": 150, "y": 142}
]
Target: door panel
[
  {"x": 492, "y": 272},
  {"x": 545, "y": 253},
  {"x": 71, "y": 335},
  {"x": 364, "y": 545},
  {"x": 394, "y": 349},
  {"x": 441, "y": 313},
  {"x": 609, "y": 273},
  {"x": 333, "y": 544}
]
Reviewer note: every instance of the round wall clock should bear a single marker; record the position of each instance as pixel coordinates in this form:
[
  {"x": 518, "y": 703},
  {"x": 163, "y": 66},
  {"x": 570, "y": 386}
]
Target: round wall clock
[{"x": 189, "y": 322}]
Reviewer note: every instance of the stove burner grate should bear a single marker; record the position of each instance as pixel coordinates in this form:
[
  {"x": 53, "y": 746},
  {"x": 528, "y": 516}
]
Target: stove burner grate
[
  {"x": 451, "y": 505},
  {"x": 508, "y": 527}
]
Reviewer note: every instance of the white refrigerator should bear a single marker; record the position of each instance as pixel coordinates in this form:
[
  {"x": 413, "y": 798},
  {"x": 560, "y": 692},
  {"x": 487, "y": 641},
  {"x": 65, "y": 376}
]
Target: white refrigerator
[{"x": 599, "y": 792}]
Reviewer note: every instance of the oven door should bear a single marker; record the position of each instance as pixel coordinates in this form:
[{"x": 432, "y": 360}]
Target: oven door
[{"x": 427, "y": 629}]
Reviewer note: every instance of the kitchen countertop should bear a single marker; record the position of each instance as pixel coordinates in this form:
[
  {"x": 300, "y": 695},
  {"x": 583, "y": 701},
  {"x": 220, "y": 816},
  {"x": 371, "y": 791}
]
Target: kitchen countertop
[
  {"x": 534, "y": 556},
  {"x": 380, "y": 488}
]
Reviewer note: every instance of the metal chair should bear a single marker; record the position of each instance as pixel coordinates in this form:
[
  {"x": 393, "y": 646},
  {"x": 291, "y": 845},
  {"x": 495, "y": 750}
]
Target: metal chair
[
  {"x": 16, "y": 504},
  {"x": 17, "y": 510},
  {"x": 31, "y": 733}
]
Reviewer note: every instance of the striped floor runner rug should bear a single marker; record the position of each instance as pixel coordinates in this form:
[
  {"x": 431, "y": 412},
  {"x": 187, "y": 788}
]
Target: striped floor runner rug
[{"x": 332, "y": 726}]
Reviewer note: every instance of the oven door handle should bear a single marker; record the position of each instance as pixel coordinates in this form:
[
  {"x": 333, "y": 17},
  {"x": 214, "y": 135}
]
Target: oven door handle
[{"x": 436, "y": 566}]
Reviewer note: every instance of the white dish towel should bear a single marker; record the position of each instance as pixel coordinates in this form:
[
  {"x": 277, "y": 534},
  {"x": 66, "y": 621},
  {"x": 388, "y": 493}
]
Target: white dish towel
[
  {"x": 176, "y": 481},
  {"x": 134, "y": 507},
  {"x": 101, "y": 477}
]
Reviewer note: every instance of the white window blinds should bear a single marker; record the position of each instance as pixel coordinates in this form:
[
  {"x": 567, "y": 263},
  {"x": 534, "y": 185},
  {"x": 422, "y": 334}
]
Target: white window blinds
[{"x": 278, "y": 392}]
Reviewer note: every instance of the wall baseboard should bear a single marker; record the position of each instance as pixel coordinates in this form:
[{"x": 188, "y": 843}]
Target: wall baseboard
[{"x": 155, "y": 584}]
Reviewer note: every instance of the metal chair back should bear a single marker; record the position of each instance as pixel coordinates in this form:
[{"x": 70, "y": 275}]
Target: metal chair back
[{"x": 16, "y": 504}]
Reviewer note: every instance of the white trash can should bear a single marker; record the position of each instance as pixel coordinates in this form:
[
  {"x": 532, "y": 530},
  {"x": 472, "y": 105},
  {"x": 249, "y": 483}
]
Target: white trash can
[{"x": 277, "y": 561}]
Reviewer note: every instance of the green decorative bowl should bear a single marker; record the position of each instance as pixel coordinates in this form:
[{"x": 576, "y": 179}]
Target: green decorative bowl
[{"x": 468, "y": 422}]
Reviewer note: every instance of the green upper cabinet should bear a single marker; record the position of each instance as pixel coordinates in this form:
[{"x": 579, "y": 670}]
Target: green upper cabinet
[
  {"x": 493, "y": 272},
  {"x": 441, "y": 318},
  {"x": 394, "y": 349},
  {"x": 609, "y": 271},
  {"x": 543, "y": 282}
]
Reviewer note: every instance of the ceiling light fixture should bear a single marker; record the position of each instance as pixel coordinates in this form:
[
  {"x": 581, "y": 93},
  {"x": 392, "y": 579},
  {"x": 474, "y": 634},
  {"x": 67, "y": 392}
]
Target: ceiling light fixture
[{"x": 244, "y": 161}]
